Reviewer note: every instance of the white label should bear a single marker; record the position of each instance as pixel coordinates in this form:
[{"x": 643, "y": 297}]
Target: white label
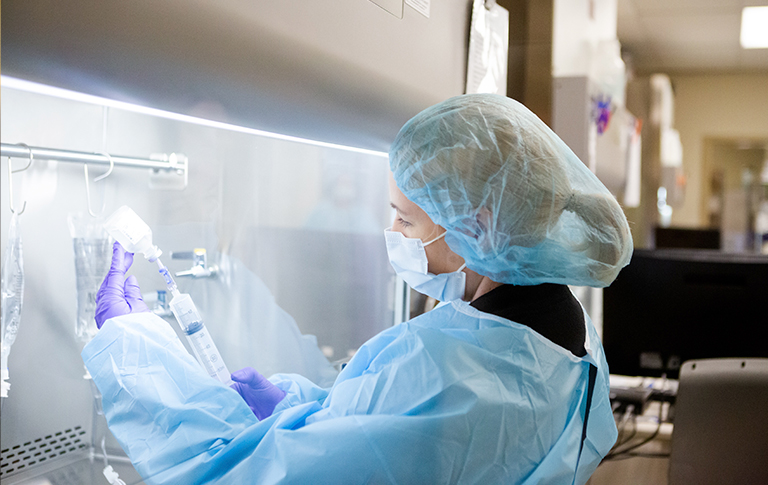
[
  {"x": 488, "y": 46},
  {"x": 421, "y": 6},
  {"x": 126, "y": 222},
  {"x": 135, "y": 229}
]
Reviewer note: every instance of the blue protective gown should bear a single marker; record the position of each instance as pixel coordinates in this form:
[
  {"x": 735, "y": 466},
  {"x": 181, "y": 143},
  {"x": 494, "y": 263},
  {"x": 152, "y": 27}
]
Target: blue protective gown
[{"x": 453, "y": 396}]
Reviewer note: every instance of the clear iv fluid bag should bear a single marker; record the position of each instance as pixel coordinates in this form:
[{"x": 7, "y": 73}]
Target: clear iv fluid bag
[
  {"x": 93, "y": 252},
  {"x": 12, "y": 296},
  {"x": 92, "y": 258},
  {"x": 198, "y": 337},
  {"x": 13, "y": 284},
  {"x": 132, "y": 233}
]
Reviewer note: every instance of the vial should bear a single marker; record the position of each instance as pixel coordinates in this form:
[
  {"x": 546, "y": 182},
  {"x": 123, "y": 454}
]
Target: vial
[{"x": 132, "y": 233}]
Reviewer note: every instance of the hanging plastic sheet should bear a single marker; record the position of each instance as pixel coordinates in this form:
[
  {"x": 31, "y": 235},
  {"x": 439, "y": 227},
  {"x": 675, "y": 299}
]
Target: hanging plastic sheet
[
  {"x": 13, "y": 296},
  {"x": 251, "y": 329},
  {"x": 93, "y": 251},
  {"x": 488, "y": 48}
]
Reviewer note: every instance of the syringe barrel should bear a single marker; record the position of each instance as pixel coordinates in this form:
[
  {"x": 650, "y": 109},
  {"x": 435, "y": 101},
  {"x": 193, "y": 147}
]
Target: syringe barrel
[
  {"x": 199, "y": 339},
  {"x": 184, "y": 310},
  {"x": 208, "y": 355}
]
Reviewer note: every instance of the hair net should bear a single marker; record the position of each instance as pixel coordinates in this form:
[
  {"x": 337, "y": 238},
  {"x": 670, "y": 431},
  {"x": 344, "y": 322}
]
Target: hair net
[{"x": 518, "y": 205}]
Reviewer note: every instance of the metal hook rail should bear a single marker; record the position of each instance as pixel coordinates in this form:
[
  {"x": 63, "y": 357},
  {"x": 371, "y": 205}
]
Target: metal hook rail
[
  {"x": 11, "y": 171},
  {"x": 100, "y": 177},
  {"x": 178, "y": 164}
]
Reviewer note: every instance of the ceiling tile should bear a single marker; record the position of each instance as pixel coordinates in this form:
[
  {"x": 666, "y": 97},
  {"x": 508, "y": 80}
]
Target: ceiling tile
[
  {"x": 753, "y": 58},
  {"x": 632, "y": 31},
  {"x": 693, "y": 30},
  {"x": 687, "y": 35},
  {"x": 693, "y": 56},
  {"x": 691, "y": 6}
]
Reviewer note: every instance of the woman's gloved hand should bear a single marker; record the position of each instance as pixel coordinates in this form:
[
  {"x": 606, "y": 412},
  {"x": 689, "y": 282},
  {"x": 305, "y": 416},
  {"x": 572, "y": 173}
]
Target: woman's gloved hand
[
  {"x": 118, "y": 295},
  {"x": 261, "y": 395}
]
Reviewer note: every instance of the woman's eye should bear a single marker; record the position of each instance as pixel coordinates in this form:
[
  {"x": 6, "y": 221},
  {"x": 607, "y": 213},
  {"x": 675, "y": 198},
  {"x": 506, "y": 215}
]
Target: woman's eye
[{"x": 403, "y": 223}]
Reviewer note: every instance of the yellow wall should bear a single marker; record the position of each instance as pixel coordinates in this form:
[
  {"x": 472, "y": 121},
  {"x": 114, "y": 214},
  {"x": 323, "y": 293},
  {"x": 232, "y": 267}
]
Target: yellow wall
[{"x": 733, "y": 106}]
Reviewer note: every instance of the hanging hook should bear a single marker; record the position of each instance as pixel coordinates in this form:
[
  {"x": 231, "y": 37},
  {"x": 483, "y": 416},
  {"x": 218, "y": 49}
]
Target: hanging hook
[
  {"x": 97, "y": 179},
  {"x": 10, "y": 179}
]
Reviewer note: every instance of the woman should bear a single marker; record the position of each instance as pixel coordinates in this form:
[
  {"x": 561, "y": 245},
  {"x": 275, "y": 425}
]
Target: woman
[{"x": 506, "y": 383}]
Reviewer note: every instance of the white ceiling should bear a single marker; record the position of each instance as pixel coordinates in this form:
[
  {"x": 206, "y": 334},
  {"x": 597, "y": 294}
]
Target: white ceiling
[{"x": 681, "y": 36}]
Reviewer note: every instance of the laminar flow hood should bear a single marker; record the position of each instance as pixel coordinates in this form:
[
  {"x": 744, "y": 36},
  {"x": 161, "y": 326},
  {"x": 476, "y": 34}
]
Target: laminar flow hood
[{"x": 344, "y": 72}]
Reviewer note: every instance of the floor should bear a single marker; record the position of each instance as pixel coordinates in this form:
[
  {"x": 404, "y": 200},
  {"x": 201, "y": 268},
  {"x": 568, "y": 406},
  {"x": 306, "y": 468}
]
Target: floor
[{"x": 638, "y": 470}]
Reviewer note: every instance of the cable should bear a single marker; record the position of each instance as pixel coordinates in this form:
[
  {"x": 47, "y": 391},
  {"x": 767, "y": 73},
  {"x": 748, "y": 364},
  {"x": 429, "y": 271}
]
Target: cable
[
  {"x": 628, "y": 414},
  {"x": 638, "y": 445},
  {"x": 631, "y": 435},
  {"x": 616, "y": 452},
  {"x": 627, "y": 456}
]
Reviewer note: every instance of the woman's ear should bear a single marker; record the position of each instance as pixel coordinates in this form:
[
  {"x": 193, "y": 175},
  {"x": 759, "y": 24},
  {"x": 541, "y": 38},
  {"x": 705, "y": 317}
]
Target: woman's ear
[
  {"x": 479, "y": 224},
  {"x": 484, "y": 218}
]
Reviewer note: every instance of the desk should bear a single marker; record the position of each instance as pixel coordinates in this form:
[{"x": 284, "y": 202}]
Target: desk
[{"x": 640, "y": 470}]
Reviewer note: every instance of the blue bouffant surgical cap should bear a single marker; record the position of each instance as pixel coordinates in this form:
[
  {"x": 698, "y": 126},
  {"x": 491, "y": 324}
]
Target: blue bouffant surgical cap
[{"x": 518, "y": 205}]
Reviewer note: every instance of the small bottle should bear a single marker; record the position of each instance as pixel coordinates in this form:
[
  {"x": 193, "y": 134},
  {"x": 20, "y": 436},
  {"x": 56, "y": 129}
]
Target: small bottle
[{"x": 132, "y": 233}]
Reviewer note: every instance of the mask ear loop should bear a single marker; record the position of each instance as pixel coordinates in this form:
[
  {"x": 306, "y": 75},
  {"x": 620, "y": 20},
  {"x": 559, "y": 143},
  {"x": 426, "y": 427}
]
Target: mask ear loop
[
  {"x": 440, "y": 237},
  {"x": 435, "y": 239}
]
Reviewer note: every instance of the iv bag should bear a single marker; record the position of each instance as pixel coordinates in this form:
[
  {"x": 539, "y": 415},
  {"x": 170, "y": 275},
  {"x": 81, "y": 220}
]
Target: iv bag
[
  {"x": 93, "y": 253},
  {"x": 12, "y": 295}
]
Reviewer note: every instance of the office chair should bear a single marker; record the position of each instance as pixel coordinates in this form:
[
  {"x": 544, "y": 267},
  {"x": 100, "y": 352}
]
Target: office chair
[{"x": 721, "y": 423}]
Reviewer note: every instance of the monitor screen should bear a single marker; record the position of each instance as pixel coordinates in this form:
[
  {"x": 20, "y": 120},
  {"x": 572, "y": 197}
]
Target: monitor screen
[
  {"x": 684, "y": 238},
  {"x": 669, "y": 306}
]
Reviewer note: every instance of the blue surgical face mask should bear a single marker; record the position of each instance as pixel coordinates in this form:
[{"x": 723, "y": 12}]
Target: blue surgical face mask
[{"x": 409, "y": 259}]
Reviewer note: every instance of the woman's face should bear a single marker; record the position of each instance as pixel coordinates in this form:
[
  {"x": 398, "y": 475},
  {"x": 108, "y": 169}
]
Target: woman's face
[{"x": 412, "y": 221}]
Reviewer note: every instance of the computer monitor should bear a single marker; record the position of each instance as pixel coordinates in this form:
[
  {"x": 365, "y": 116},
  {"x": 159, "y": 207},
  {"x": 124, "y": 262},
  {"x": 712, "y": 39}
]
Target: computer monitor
[
  {"x": 685, "y": 238},
  {"x": 669, "y": 306}
]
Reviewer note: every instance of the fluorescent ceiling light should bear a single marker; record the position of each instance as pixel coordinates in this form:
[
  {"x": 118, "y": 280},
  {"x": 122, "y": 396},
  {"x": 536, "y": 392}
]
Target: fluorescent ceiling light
[
  {"x": 22, "y": 85},
  {"x": 754, "y": 28}
]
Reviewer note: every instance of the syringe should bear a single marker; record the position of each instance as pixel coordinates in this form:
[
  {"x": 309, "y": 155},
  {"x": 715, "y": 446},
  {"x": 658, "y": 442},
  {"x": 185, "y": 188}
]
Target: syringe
[{"x": 193, "y": 327}]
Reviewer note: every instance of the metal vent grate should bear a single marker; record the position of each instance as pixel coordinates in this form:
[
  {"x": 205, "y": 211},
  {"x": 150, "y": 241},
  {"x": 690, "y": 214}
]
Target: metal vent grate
[{"x": 20, "y": 457}]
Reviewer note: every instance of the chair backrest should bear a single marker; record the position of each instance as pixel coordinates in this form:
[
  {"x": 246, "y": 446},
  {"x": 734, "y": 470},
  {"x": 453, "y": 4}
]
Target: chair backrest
[{"x": 721, "y": 423}]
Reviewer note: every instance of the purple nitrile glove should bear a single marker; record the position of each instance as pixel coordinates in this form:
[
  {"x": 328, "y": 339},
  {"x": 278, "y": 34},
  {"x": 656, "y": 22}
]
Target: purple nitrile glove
[
  {"x": 258, "y": 393},
  {"x": 118, "y": 295}
]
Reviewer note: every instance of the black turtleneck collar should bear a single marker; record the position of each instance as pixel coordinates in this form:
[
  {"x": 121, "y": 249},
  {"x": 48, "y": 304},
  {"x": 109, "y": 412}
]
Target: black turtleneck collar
[{"x": 548, "y": 309}]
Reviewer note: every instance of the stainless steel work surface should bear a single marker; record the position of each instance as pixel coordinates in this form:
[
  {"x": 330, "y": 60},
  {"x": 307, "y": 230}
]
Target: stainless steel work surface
[{"x": 76, "y": 469}]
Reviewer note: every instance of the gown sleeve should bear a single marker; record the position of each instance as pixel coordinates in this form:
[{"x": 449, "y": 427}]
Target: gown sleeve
[
  {"x": 451, "y": 399},
  {"x": 298, "y": 390},
  {"x": 177, "y": 425}
]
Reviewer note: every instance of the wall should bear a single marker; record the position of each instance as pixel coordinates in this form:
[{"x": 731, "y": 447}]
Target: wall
[
  {"x": 733, "y": 106},
  {"x": 529, "y": 71},
  {"x": 729, "y": 202}
]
